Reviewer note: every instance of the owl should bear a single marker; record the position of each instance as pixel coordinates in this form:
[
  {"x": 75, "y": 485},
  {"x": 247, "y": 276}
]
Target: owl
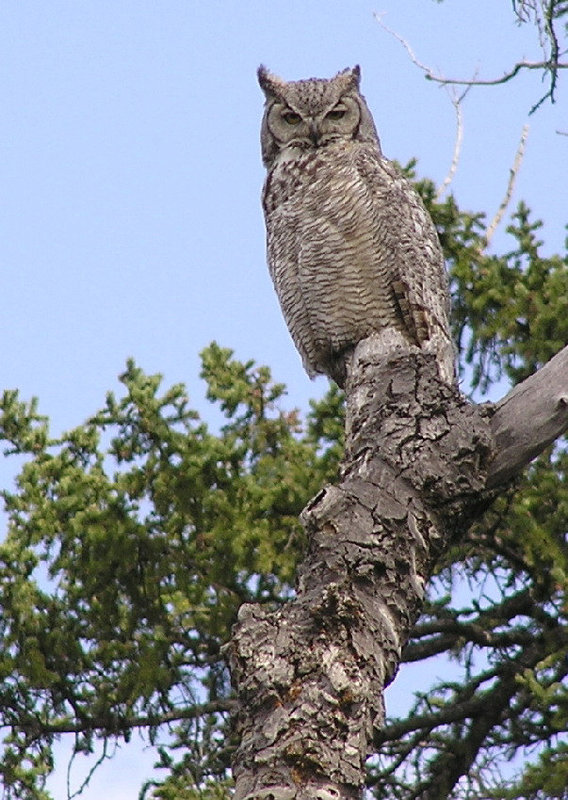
[{"x": 351, "y": 249}]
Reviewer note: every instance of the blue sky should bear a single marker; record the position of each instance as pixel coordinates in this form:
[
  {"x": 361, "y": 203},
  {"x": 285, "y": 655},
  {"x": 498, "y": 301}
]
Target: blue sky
[{"x": 130, "y": 222}]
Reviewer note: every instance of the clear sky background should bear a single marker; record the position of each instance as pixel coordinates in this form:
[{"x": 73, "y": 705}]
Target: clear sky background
[{"x": 130, "y": 221}]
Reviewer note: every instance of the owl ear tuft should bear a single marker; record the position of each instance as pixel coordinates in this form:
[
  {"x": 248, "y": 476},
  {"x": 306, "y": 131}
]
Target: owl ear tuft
[
  {"x": 353, "y": 76},
  {"x": 270, "y": 84},
  {"x": 349, "y": 78}
]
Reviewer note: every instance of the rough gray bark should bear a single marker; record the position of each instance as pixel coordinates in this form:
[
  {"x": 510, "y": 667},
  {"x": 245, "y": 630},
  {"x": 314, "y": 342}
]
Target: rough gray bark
[
  {"x": 529, "y": 418},
  {"x": 310, "y": 676}
]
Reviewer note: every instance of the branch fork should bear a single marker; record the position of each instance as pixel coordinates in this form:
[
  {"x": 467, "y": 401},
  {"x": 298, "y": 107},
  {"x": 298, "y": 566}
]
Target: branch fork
[{"x": 421, "y": 464}]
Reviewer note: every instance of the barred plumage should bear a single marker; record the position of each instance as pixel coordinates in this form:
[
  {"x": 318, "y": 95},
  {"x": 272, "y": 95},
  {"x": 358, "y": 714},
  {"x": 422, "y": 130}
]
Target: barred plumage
[{"x": 351, "y": 248}]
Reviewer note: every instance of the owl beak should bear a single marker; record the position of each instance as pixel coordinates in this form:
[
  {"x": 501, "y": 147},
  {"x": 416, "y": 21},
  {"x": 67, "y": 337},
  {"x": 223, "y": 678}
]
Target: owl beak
[{"x": 314, "y": 134}]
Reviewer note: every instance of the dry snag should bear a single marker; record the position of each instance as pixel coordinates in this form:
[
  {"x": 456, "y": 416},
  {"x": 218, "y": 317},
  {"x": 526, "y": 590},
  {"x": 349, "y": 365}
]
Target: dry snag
[{"x": 310, "y": 676}]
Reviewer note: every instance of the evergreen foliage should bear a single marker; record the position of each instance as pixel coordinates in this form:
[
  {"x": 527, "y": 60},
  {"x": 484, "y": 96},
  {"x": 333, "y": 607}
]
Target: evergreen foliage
[{"x": 133, "y": 539}]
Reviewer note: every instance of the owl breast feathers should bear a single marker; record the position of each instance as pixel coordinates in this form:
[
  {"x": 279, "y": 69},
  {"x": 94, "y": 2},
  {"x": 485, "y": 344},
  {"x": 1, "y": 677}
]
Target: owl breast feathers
[{"x": 351, "y": 249}]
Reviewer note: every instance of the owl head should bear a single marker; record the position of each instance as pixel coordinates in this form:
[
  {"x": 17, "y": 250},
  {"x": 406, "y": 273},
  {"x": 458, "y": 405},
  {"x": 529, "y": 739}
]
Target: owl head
[{"x": 313, "y": 113}]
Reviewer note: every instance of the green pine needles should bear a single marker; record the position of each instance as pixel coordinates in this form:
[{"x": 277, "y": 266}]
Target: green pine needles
[{"x": 133, "y": 539}]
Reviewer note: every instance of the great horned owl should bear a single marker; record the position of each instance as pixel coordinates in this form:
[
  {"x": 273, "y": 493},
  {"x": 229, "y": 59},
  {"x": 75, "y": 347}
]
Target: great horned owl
[{"x": 351, "y": 249}]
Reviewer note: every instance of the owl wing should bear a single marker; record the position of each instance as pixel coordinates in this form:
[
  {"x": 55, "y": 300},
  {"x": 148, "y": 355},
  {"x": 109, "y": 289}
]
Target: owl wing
[{"x": 418, "y": 276}]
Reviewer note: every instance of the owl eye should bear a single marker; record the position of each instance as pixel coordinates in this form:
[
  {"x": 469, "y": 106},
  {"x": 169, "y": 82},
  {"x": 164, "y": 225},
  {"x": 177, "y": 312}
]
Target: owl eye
[
  {"x": 291, "y": 117},
  {"x": 336, "y": 113}
]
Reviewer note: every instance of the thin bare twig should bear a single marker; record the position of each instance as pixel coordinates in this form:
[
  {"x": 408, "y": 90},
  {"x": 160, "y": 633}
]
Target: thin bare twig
[
  {"x": 455, "y": 99},
  {"x": 550, "y": 64},
  {"x": 456, "y": 102},
  {"x": 119, "y": 726},
  {"x": 103, "y": 757},
  {"x": 513, "y": 172},
  {"x": 379, "y": 18}
]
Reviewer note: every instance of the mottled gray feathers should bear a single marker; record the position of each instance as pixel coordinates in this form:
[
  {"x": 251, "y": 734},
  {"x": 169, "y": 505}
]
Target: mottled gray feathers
[{"x": 351, "y": 249}]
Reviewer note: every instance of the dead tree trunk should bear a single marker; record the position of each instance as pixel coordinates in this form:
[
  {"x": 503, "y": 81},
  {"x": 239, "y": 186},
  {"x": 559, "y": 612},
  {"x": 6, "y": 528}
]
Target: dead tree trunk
[{"x": 310, "y": 676}]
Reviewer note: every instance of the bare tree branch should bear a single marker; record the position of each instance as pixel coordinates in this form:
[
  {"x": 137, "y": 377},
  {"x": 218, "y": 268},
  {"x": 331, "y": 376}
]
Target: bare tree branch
[
  {"x": 529, "y": 418},
  {"x": 427, "y": 70},
  {"x": 86, "y": 781},
  {"x": 513, "y": 172},
  {"x": 34, "y": 727},
  {"x": 551, "y": 64},
  {"x": 457, "y": 104},
  {"x": 545, "y": 66}
]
